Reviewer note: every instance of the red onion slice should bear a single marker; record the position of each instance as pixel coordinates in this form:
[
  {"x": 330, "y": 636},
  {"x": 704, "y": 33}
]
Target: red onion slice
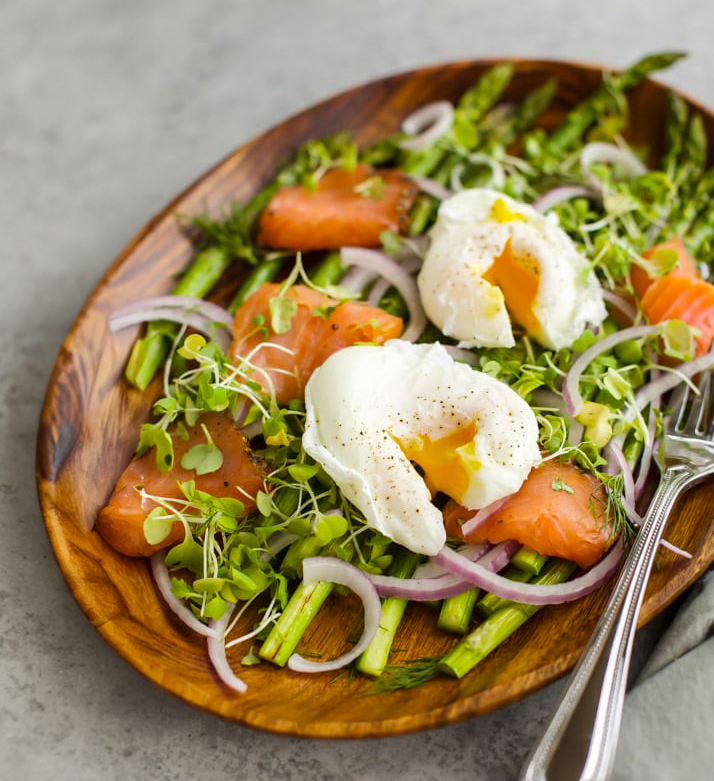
[
  {"x": 381, "y": 286},
  {"x": 337, "y": 571},
  {"x": 548, "y": 200},
  {"x": 431, "y": 589},
  {"x": 202, "y": 307},
  {"x": 426, "y": 124},
  {"x": 201, "y": 315},
  {"x": 381, "y": 264},
  {"x": 618, "y": 457},
  {"x": 678, "y": 551},
  {"x": 649, "y": 393},
  {"x": 276, "y": 543},
  {"x": 430, "y": 569},
  {"x": 177, "y": 606},
  {"x": 217, "y": 653},
  {"x": 571, "y": 389},
  {"x": 483, "y": 515},
  {"x": 252, "y": 429},
  {"x": 647, "y": 453},
  {"x": 530, "y": 593},
  {"x": 601, "y": 152},
  {"x": 621, "y": 304},
  {"x": 430, "y": 187}
]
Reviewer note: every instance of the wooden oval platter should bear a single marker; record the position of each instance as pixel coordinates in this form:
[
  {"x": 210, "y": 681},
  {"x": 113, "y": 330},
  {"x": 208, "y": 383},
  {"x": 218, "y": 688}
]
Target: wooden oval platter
[{"x": 89, "y": 430}]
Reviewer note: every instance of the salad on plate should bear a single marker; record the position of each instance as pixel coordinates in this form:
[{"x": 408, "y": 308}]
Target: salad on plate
[{"x": 441, "y": 379}]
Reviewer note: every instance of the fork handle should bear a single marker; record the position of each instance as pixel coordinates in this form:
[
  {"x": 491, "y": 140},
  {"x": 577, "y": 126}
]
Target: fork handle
[{"x": 580, "y": 738}]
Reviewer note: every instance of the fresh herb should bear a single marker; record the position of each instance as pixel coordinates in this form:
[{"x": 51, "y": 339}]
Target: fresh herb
[{"x": 559, "y": 485}]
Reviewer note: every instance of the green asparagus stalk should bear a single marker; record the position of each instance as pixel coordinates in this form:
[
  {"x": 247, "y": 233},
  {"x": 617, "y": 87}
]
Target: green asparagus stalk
[
  {"x": 603, "y": 99},
  {"x": 532, "y": 106},
  {"x": 374, "y": 658},
  {"x": 528, "y": 560},
  {"x": 421, "y": 214},
  {"x": 475, "y": 102},
  {"x": 329, "y": 271},
  {"x": 455, "y": 614},
  {"x": 151, "y": 350},
  {"x": 499, "y": 626},
  {"x": 293, "y": 621},
  {"x": 694, "y": 158},
  {"x": 258, "y": 275},
  {"x": 676, "y": 123}
]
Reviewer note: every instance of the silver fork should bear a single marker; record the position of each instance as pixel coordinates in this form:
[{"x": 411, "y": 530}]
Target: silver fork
[{"x": 580, "y": 738}]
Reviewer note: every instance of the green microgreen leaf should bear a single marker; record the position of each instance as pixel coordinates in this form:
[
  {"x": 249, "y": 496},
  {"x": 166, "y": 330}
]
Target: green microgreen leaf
[
  {"x": 251, "y": 658},
  {"x": 559, "y": 485},
  {"x": 391, "y": 242},
  {"x": 215, "y": 608},
  {"x": 157, "y": 526},
  {"x": 596, "y": 419},
  {"x": 373, "y": 187},
  {"x": 155, "y": 436},
  {"x": 192, "y": 346},
  {"x": 180, "y": 589},
  {"x": 282, "y": 311},
  {"x": 208, "y": 585},
  {"x": 678, "y": 339},
  {"x": 330, "y": 527},
  {"x": 303, "y": 472},
  {"x": 203, "y": 459},
  {"x": 264, "y": 503},
  {"x": 187, "y": 554}
]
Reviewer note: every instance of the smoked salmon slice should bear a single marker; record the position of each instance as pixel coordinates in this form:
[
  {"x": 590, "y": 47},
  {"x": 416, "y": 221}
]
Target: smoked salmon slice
[
  {"x": 682, "y": 298},
  {"x": 121, "y": 522},
  {"x": 319, "y": 328},
  {"x": 558, "y": 511},
  {"x": 347, "y": 209}
]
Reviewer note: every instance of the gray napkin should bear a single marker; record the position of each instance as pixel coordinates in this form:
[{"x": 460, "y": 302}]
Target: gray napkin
[{"x": 668, "y": 719}]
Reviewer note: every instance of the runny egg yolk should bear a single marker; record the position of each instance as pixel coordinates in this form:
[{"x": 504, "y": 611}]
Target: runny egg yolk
[
  {"x": 447, "y": 462},
  {"x": 518, "y": 277}
]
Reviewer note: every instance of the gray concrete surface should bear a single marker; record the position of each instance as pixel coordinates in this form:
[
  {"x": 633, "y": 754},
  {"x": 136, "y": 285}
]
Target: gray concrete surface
[{"x": 107, "y": 109}]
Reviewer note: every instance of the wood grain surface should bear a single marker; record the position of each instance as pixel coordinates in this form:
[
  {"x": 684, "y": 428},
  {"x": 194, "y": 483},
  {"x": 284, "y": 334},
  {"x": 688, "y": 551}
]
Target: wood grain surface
[{"x": 89, "y": 430}]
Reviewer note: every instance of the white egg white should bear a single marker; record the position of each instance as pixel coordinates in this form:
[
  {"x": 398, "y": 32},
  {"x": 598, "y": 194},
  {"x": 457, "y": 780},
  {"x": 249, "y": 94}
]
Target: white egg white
[
  {"x": 366, "y": 401},
  {"x": 466, "y": 239}
]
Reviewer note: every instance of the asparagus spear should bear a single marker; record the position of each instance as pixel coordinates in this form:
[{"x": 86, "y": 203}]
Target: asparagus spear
[
  {"x": 603, "y": 99},
  {"x": 151, "y": 350},
  {"x": 294, "y": 620},
  {"x": 455, "y": 614},
  {"x": 676, "y": 122},
  {"x": 528, "y": 560},
  {"x": 263, "y": 272},
  {"x": 374, "y": 658},
  {"x": 329, "y": 271},
  {"x": 499, "y": 626},
  {"x": 532, "y": 106}
]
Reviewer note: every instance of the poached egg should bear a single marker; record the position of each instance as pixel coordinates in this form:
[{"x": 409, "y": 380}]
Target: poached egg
[
  {"x": 492, "y": 260},
  {"x": 374, "y": 412}
]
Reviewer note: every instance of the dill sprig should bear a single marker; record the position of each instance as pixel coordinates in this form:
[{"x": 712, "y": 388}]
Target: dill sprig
[{"x": 413, "y": 673}]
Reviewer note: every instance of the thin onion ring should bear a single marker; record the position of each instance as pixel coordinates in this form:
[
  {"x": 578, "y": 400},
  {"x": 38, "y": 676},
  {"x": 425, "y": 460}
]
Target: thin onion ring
[
  {"x": 217, "y": 653},
  {"x": 177, "y": 607},
  {"x": 426, "y": 124},
  {"x": 378, "y": 262},
  {"x": 529, "y": 593},
  {"x": 335, "y": 570}
]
